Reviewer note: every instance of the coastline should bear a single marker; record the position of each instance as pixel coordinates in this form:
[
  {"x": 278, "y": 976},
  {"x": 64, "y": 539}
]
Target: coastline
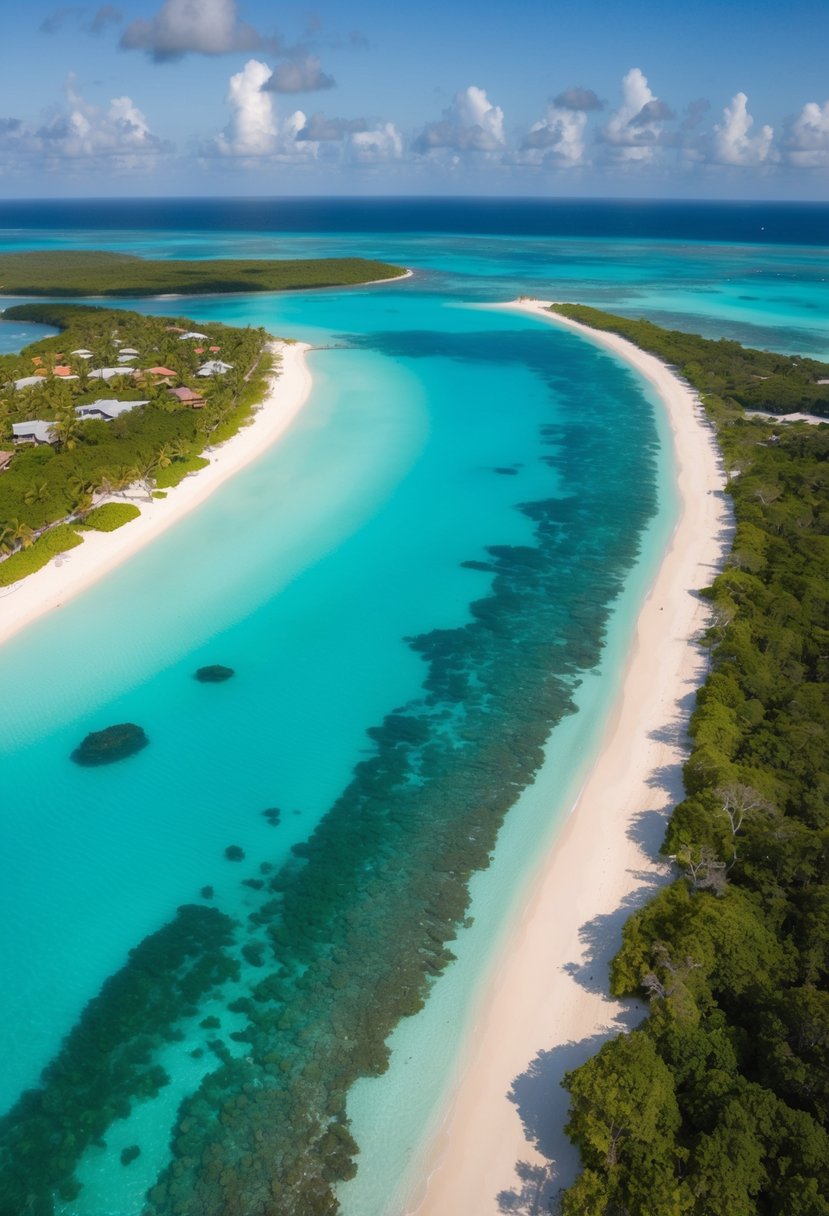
[
  {"x": 543, "y": 1006},
  {"x": 49, "y": 588}
]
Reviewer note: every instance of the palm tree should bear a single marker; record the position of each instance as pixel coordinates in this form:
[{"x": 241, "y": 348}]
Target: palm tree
[
  {"x": 83, "y": 494},
  {"x": 65, "y": 430},
  {"x": 38, "y": 491}
]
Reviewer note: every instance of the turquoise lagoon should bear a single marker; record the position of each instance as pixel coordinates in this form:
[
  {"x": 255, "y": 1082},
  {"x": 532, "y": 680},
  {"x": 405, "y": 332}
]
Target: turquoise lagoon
[{"x": 437, "y": 434}]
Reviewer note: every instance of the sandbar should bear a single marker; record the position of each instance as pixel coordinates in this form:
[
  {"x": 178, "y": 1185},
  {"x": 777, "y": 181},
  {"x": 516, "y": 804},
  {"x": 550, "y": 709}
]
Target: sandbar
[
  {"x": 543, "y": 1008},
  {"x": 48, "y": 589}
]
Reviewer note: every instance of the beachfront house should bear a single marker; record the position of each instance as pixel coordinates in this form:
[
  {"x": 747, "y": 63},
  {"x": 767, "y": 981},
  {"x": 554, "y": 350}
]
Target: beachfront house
[
  {"x": 107, "y": 408},
  {"x": 82, "y": 353},
  {"x": 63, "y": 372},
  {"x": 191, "y": 333},
  {"x": 214, "y": 367},
  {"x": 28, "y": 381},
  {"x": 187, "y": 396},
  {"x": 34, "y": 431},
  {"x": 107, "y": 373}
]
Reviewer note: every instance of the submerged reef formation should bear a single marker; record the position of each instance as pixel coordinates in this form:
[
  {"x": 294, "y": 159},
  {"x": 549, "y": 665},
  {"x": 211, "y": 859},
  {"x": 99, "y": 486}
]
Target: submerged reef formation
[
  {"x": 106, "y": 1063},
  {"x": 214, "y": 674},
  {"x": 112, "y": 743},
  {"x": 346, "y": 937}
]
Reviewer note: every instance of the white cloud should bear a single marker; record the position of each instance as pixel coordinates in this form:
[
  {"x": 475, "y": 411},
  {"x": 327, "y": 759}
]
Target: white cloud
[
  {"x": 806, "y": 144},
  {"x": 381, "y": 144},
  {"x": 470, "y": 124},
  {"x": 633, "y": 132},
  {"x": 204, "y": 27},
  {"x": 557, "y": 140},
  {"x": 116, "y": 136},
  {"x": 732, "y": 144},
  {"x": 252, "y": 128}
]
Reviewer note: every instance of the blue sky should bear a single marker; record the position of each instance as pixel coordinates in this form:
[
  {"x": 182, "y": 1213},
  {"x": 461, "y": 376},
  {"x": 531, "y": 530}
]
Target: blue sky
[{"x": 135, "y": 97}]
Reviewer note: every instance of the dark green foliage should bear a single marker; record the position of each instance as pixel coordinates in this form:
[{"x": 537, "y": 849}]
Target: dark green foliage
[
  {"x": 110, "y": 744},
  {"x": 234, "y": 853},
  {"x": 88, "y": 272},
  {"x": 38, "y": 554},
  {"x": 755, "y": 379},
  {"x": 110, "y": 516},
  {"x": 150, "y": 448},
  {"x": 735, "y": 954}
]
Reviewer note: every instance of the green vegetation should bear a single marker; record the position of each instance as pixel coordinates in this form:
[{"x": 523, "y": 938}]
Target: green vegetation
[
  {"x": 718, "y": 1105},
  {"x": 110, "y": 515},
  {"x": 90, "y": 272},
  {"x": 148, "y": 448},
  {"x": 38, "y": 554},
  {"x": 755, "y": 379}
]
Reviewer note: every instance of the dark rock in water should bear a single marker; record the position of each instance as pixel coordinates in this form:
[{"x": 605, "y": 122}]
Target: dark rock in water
[
  {"x": 487, "y": 567},
  {"x": 255, "y": 884},
  {"x": 130, "y": 1153},
  {"x": 273, "y": 815},
  {"x": 234, "y": 853},
  {"x": 505, "y": 471},
  {"x": 206, "y": 892},
  {"x": 113, "y": 743},
  {"x": 215, "y": 674}
]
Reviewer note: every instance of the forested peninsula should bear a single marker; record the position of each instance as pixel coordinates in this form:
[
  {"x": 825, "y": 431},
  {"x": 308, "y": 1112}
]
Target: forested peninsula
[
  {"x": 718, "y": 1104},
  {"x": 116, "y": 404},
  {"x": 90, "y": 272}
]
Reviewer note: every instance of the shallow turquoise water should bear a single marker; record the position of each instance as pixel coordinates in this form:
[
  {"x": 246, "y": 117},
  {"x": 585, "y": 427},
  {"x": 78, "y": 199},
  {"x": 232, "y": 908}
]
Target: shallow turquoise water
[{"x": 307, "y": 573}]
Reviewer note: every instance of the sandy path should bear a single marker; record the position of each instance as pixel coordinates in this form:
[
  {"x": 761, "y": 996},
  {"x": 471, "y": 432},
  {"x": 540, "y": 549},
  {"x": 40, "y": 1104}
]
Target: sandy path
[
  {"x": 543, "y": 1008},
  {"x": 48, "y": 589}
]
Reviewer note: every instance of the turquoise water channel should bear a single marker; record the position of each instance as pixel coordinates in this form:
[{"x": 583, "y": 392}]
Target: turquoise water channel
[{"x": 330, "y": 575}]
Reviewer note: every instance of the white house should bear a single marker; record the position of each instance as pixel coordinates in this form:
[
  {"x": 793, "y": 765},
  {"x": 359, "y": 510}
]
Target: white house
[
  {"x": 191, "y": 333},
  {"x": 107, "y": 408},
  {"x": 28, "y": 381},
  {"x": 214, "y": 367},
  {"x": 83, "y": 353},
  {"x": 35, "y": 431},
  {"x": 106, "y": 373}
]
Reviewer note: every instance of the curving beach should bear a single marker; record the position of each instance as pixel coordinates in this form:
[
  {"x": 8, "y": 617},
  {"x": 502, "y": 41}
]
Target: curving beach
[
  {"x": 543, "y": 1008},
  {"x": 49, "y": 588}
]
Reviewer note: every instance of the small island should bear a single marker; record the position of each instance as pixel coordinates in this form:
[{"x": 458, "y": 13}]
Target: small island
[{"x": 92, "y": 272}]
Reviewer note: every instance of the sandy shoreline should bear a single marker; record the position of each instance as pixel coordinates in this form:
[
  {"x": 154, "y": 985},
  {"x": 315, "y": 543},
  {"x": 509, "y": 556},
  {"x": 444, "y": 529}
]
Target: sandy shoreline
[
  {"x": 543, "y": 1008},
  {"x": 48, "y": 589}
]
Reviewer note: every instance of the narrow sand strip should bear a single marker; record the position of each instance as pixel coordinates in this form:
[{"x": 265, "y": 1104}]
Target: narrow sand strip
[
  {"x": 48, "y": 589},
  {"x": 543, "y": 1008}
]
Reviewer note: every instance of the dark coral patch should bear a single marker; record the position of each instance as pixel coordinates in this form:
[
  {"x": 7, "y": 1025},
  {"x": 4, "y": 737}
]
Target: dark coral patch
[
  {"x": 214, "y": 674},
  {"x": 113, "y": 743}
]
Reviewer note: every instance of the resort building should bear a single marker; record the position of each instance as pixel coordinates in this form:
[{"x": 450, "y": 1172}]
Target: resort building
[
  {"x": 191, "y": 333},
  {"x": 28, "y": 381},
  {"x": 107, "y": 373},
  {"x": 214, "y": 367},
  {"x": 187, "y": 397},
  {"x": 107, "y": 408},
  {"x": 35, "y": 431},
  {"x": 82, "y": 353}
]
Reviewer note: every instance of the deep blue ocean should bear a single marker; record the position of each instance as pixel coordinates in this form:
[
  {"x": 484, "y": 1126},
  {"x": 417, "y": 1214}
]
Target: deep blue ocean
[{"x": 427, "y": 590}]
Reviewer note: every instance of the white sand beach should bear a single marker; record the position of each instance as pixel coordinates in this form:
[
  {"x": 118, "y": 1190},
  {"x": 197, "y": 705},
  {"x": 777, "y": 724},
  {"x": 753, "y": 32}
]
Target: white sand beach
[
  {"x": 48, "y": 589},
  {"x": 543, "y": 1008}
]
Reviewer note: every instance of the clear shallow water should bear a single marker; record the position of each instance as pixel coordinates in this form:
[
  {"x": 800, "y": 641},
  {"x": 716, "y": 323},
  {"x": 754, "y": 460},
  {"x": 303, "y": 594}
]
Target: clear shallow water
[{"x": 307, "y": 573}]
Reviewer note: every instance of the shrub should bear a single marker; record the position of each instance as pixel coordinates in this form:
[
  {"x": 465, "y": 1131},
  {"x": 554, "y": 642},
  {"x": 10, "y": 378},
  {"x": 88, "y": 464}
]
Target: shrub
[
  {"x": 27, "y": 561},
  {"x": 111, "y": 515}
]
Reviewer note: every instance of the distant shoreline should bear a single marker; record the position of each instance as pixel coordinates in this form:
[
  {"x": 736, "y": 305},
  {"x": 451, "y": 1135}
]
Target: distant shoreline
[
  {"x": 533, "y": 998},
  {"x": 48, "y": 589}
]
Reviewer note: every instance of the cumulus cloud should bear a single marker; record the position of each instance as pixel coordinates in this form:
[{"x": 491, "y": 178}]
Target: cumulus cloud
[
  {"x": 381, "y": 144},
  {"x": 634, "y": 131},
  {"x": 732, "y": 144},
  {"x": 576, "y": 98},
  {"x": 327, "y": 130},
  {"x": 558, "y": 139},
  {"x": 806, "y": 139},
  {"x": 203, "y": 27},
  {"x": 302, "y": 75},
  {"x": 252, "y": 128},
  {"x": 470, "y": 124},
  {"x": 115, "y": 136}
]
